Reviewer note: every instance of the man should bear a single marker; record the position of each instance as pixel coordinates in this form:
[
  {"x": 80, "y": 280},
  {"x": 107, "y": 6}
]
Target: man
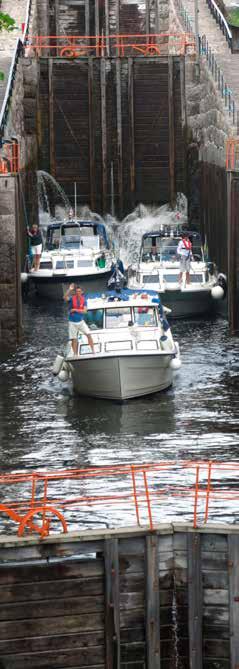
[
  {"x": 77, "y": 308},
  {"x": 184, "y": 251}
]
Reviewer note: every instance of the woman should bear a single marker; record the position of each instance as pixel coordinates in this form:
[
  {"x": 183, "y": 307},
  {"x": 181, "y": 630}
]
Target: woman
[{"x": 36, "y": 245}]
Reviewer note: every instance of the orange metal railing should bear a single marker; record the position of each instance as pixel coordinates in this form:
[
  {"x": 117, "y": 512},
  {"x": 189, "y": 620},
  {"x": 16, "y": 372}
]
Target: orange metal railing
[
  {"x": 232, "y": 153},
  {"x": 77, "y": 46},
  {"x": 124, "y": 494},
  {"x": 10, "y": 158}
]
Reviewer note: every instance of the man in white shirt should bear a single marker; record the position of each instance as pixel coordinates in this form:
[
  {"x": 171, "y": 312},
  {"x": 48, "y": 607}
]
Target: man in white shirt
[{"x": 184, "y": 251}]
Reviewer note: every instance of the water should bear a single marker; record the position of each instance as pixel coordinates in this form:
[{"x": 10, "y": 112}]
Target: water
[{"x": 44, "y": 426}]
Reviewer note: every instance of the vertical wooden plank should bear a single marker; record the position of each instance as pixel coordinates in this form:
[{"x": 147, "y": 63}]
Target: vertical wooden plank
[
  {"x": 117, "y": 17},
  {"x": 87, "y": 17},
  {"x": 157, "y": 23},
  {"x": 147, "y": 17},
  {"x": 91, "y": 132},
  {"x": 171, "y": 132},
  {"x": 107, "y": 27},
  {"x": 152, "y": 603},
  {"x": 119, "y": 134},
  {"x": 103, "y": 132},
  {"x": 131, "y": 129},
  {"x": 57, "y": 17},
  {"x": 97, "y": 18},
  {"x": 195, "y": 601},
  {"x": 51, "y": 117},
  {"x": 233, "y": 558},
  {"x": 183, "y": 91},
  {"x": 233, "y": 206},
  {"x": 112, "y": 604}
]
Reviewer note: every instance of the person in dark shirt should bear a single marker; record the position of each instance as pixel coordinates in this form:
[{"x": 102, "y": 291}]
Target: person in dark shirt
[{"x": 35, "y": 236}]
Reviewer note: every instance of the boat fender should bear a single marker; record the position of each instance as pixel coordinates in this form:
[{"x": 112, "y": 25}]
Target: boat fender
[
  {"x": 217, "y": 292},
  {"x": 24, "y": 277},
  {"x": 57, "y": 365},
  {"x": 166, "y": 343},
  {"x": 175, "y": 363},
  {"x": 64, "y": 374}
]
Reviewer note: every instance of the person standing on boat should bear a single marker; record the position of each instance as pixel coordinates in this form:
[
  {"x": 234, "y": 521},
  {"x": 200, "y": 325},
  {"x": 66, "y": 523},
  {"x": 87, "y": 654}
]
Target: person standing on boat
[
  {"x": 35, "y": 237},
  {"x": 184, "y": 251},
  {"x": 77, "y": 304}
]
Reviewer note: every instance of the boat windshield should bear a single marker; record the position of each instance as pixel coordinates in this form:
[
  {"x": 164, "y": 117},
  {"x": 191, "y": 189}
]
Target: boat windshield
[
  {"x": 118, "y": 318},
  {"x": 165, "y": 248},
  {"x": 145, "y": 316},
  {"x": 95, "y": 319}
]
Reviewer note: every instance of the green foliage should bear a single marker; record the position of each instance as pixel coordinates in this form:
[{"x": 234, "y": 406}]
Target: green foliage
[
  {"x": 233, "y": 16},
  {"x": 6, "y": 22}
]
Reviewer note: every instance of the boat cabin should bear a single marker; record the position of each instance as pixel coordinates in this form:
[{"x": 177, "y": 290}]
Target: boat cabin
[
  {"x": 76, "y": 236},
  {"x": 162, "y": 246}
]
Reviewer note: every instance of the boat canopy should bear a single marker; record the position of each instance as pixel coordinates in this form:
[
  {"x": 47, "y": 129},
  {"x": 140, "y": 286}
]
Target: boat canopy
[{"x": 60, "y": 228}]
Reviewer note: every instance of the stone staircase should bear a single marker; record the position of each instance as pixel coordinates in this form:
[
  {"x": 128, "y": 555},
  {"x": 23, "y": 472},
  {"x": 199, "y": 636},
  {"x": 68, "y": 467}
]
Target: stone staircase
[
  {"x": 228, "y": 62},
  {"x": 8, "y": 41}
]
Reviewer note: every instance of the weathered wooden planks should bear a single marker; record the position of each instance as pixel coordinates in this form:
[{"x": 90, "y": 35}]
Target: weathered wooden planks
[
  {"x": 111, "y": 116},
  {"x": 136, "y": 600}
]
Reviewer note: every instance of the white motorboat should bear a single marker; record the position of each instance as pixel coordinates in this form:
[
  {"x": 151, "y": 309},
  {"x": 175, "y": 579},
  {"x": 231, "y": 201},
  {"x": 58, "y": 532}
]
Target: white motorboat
[
  {"x": 134, "y": 351},
  {"x": 74, "y": 251},
  {"x": 158, "y": 269}
]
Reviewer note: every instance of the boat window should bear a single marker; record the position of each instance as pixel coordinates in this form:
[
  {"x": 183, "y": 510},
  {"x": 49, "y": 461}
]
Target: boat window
[
  {"x": 171, "y": 278},
  {"x": 117, "y": 317},
  {"x": 89, "y": 242},
  {"x": 94, "y": 319},
  {"x": 53, "y": 239},
  {"x": 151, "y": 278},
  {"x": 169, "y": 248},
  {"x": 70, "y": 242},
  {"x": 196, "y": 278},
  {"x": 145, "y": 316}
]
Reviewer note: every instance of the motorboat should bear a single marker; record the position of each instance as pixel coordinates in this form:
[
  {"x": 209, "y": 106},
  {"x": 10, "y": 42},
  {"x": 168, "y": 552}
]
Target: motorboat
[
  {"x": 74, "y": 251},
  {"x": 158, "y": 269},
  {"x": 134, "y": 350}
]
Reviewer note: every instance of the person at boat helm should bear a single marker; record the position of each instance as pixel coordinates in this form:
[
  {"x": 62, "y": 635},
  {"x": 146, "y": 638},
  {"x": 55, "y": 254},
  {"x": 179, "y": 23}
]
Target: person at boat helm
[
  {"x": 184, "y": 251},
  {"x": 77, "y": 304}
]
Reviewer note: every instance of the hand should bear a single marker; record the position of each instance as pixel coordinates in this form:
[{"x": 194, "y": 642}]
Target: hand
[{"x": 72, "y": 287}]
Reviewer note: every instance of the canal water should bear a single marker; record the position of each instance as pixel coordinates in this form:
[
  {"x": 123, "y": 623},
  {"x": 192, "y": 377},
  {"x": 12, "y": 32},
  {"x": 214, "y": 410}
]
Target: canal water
[{"x": 44, "y": 426}]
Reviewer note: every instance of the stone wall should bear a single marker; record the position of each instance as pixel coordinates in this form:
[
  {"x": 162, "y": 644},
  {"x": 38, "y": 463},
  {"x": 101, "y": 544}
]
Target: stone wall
[{"x": 10, "y": 285}]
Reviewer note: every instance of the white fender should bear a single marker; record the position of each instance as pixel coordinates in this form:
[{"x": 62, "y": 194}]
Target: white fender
[
  {"x": 175, "y": 363},
  {"x": 24, "y": 277},
  {"x": 217, "y": 292},
  {"x": 63, "y": 375},
  {"x": 57, "y": 365}
]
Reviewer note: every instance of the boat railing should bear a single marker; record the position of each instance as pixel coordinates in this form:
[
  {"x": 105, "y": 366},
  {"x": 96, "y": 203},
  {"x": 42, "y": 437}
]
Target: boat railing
[{"x": 42, "y": 502}]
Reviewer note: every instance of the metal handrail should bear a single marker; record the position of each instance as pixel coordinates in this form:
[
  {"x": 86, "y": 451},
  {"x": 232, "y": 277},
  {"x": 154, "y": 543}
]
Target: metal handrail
[
  {"x": 36, "y": 498},
  {"x": 8, "y": 93},
  {"x": 218, "y": 76},
  {"x": 221, "y": 21},
  {"x": 19, "y": 49}
]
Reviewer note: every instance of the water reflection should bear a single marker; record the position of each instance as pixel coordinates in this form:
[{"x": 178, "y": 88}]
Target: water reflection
[{"x": 43, "y": 425}]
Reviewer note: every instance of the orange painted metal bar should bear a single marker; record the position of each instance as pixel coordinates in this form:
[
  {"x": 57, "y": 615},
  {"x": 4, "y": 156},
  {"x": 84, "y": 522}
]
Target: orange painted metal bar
[
  {"x": 208, "y": 491},
  {"x": 148, "y": 500},
  {"x": 196, "y": 497},
  {"x": 135, "y": 494}
]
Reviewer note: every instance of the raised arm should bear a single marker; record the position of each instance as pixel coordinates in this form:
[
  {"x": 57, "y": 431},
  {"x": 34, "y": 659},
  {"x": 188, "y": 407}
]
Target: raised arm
[{"x": 68, "y": 294}]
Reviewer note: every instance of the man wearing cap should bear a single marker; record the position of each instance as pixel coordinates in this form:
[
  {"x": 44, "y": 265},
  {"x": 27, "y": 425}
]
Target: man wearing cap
[{"x": 77, "y": 304}]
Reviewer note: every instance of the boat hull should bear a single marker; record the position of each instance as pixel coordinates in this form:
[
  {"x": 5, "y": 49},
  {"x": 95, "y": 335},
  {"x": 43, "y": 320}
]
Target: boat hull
[
  {"x": 188, "y": 304},
  {"x": 121, "y": 377},
  {"x": 55, "y": 287}
]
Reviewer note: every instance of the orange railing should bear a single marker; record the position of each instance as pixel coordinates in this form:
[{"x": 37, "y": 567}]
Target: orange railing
[
  {"x": 232, "y": 153},
  {"x": 69, "y": 46},
  {"x": 123, "y": 495},
  {"x": 10, "y": 158}
]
